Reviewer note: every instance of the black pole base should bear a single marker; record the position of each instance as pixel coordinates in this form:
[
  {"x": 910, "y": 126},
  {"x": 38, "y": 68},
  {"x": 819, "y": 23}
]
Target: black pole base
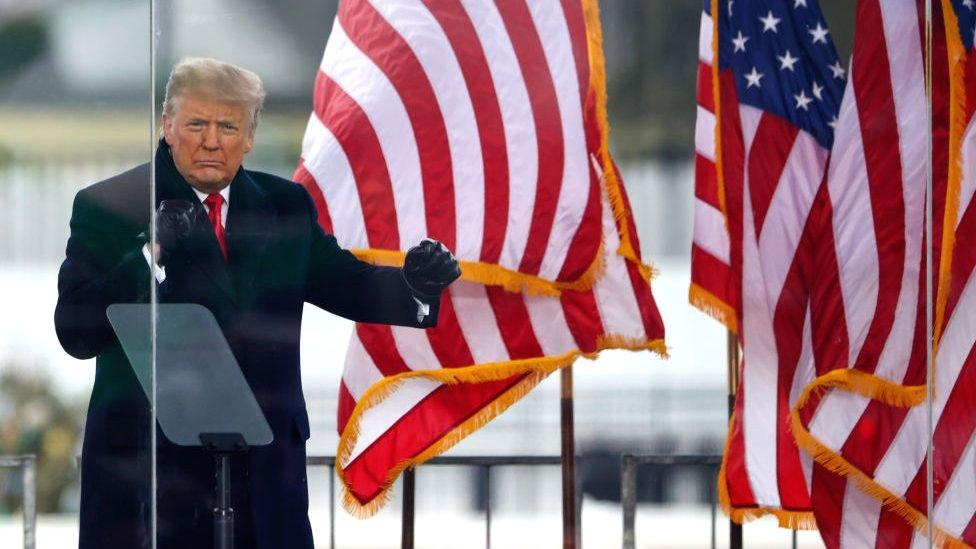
[
  {"x": 223, "y": 512},
  {"x": 223, "y": 528},
  {"x": 223, "y": 446}
]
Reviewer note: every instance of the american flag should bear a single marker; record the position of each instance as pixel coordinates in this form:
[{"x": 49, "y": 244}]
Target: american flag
[
  {"x": 481, "y": 124},
  {"x": 867, "y": 425},
  {"x": 769, "y": 89}
]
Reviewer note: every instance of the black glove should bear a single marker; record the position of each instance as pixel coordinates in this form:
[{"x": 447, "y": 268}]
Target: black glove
[
  {"x": 174, "y": 224},
  {"x": 429, "y": 268}
]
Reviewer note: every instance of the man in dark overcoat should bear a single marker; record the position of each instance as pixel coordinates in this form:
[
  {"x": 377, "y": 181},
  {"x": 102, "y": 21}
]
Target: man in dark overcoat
[{"x": 248, "y": 247}]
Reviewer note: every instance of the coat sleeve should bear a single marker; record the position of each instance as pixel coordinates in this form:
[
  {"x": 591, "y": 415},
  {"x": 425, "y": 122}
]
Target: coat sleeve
[
  {"x": 103, "y": 264},
  {"x": 342, "y": 284}
]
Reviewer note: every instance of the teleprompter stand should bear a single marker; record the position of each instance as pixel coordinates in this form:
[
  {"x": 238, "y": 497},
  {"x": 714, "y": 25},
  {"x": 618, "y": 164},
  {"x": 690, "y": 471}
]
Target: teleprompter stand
[
  {"x": 223, "y": 446},
  {"x": 202, "y": 398}
]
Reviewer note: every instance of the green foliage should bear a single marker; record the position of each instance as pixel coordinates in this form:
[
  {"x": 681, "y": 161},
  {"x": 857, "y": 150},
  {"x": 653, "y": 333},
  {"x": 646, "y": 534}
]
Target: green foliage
[
  {"x": 6, "y": 154},
  {"x": 34, "y": 420},
  {"x": 22, "y": 41}
]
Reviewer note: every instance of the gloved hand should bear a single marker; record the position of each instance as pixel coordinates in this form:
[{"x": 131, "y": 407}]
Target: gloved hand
[
  {"x": 174, "y": 224},
  {"x": 429, "y": 268}
]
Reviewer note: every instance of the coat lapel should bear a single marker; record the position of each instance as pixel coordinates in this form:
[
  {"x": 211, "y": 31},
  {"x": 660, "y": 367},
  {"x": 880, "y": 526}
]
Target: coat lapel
[
  {"x": 205, "y": 252},
  {"x": 249, "y": 222}
]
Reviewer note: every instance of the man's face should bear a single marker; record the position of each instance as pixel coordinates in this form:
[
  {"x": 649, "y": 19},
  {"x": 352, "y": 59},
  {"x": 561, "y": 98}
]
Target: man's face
[{"x": 208, "y": 140}]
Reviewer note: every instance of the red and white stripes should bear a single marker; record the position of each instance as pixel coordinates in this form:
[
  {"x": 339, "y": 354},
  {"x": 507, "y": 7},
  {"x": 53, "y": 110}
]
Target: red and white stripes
[
  {"x": 465, "y": 122},
  {"x": 756, "y": 215},
  {"x": 783, "y": 172},
  {"x": 477, "y": 124},
  {"x": 832, "y": 313},
  {"x": 877, "y": 190},
  {"x": 872, "y": 490},
  {"x": 508, "y": 341},
  {"x": 711, "y": 276}
]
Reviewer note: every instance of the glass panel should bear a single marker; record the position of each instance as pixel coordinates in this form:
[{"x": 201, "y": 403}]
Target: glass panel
[
  {"x": 232, "y": 234},
  {"x": 74, "y": 119}
]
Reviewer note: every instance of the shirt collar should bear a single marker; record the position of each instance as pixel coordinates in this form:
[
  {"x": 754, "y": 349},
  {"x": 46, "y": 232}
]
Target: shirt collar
[{"x": 225, "y": 193}]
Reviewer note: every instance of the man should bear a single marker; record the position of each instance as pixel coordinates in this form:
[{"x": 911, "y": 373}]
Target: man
[{"x": 247, "y": 246}]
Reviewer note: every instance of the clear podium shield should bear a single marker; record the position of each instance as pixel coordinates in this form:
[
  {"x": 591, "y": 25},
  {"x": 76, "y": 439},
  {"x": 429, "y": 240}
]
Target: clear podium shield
[
  {"x": 75, "y": 114},
  {"x": 199, "y": 386},
  {"x": 227, "y": 243}
]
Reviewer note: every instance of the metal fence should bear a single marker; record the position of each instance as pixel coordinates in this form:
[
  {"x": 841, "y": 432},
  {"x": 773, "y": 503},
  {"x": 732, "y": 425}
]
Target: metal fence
[
  {"x": 37, "y": 195},
  {"x": 28, "y": 472},
  {"x": 628, "y": 488},
  {"x": 484, "y": 463},
  {"x": 628, "y": 491},
  {"x": 630, "y": 464}
]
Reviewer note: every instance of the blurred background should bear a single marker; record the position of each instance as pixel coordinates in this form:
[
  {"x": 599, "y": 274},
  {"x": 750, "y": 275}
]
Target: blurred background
[{"x": 76, "y": 106}]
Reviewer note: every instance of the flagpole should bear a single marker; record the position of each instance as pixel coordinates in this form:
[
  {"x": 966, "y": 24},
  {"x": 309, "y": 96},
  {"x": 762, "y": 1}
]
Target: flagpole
[
  {"x": 570, "y": 529},
  {"x": 733, "y": 358},
  {"x": 153, "y": 297},
  {"x": 409, "y": 509},
  {"x": 929, "y": 233}
]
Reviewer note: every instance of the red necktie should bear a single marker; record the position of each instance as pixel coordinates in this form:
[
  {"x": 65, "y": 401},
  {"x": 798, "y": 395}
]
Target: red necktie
[{"x": 214, "y": 203}]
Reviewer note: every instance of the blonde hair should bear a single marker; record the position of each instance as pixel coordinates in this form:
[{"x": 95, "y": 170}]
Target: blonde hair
[{"x": 212, "y": 79}]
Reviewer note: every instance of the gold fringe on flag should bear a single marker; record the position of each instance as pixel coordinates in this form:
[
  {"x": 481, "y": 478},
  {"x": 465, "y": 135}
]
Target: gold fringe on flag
[
  {"x": 877, "y": 388},
  {"x": 598, "y": 86},
  {"x": 494, "y": 275},
  {"x": 887, "y": 392},
  {"x": 714, "y": 307},
  {"x": 794, "y": 520},
  {"x": 957, "y": 126},
  {"x": 864, "y": 384},
  {"x": 536, "y": 368},
  {"x": 701, "y": 298},
  {"x": 717, "y": 103},
  {"x": 725, "y": 313}
]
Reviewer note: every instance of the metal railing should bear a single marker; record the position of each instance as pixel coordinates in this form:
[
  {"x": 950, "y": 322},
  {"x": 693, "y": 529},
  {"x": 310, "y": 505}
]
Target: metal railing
[
  {"x": 28, "y": 470},
  {"x": 484, "y": 463},
  {"x": 628, "y": 488}
]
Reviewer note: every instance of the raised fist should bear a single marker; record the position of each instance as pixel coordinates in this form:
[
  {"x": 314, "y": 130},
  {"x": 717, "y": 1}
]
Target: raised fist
[
  {"x": 429, "y": 268},
  {"x": 174, "y": 224}
]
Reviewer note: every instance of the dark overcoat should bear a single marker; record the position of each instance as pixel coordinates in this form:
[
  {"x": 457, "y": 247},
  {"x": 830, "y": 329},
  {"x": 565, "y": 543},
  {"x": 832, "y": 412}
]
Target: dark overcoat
[{"x": 278, "y": 259}]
